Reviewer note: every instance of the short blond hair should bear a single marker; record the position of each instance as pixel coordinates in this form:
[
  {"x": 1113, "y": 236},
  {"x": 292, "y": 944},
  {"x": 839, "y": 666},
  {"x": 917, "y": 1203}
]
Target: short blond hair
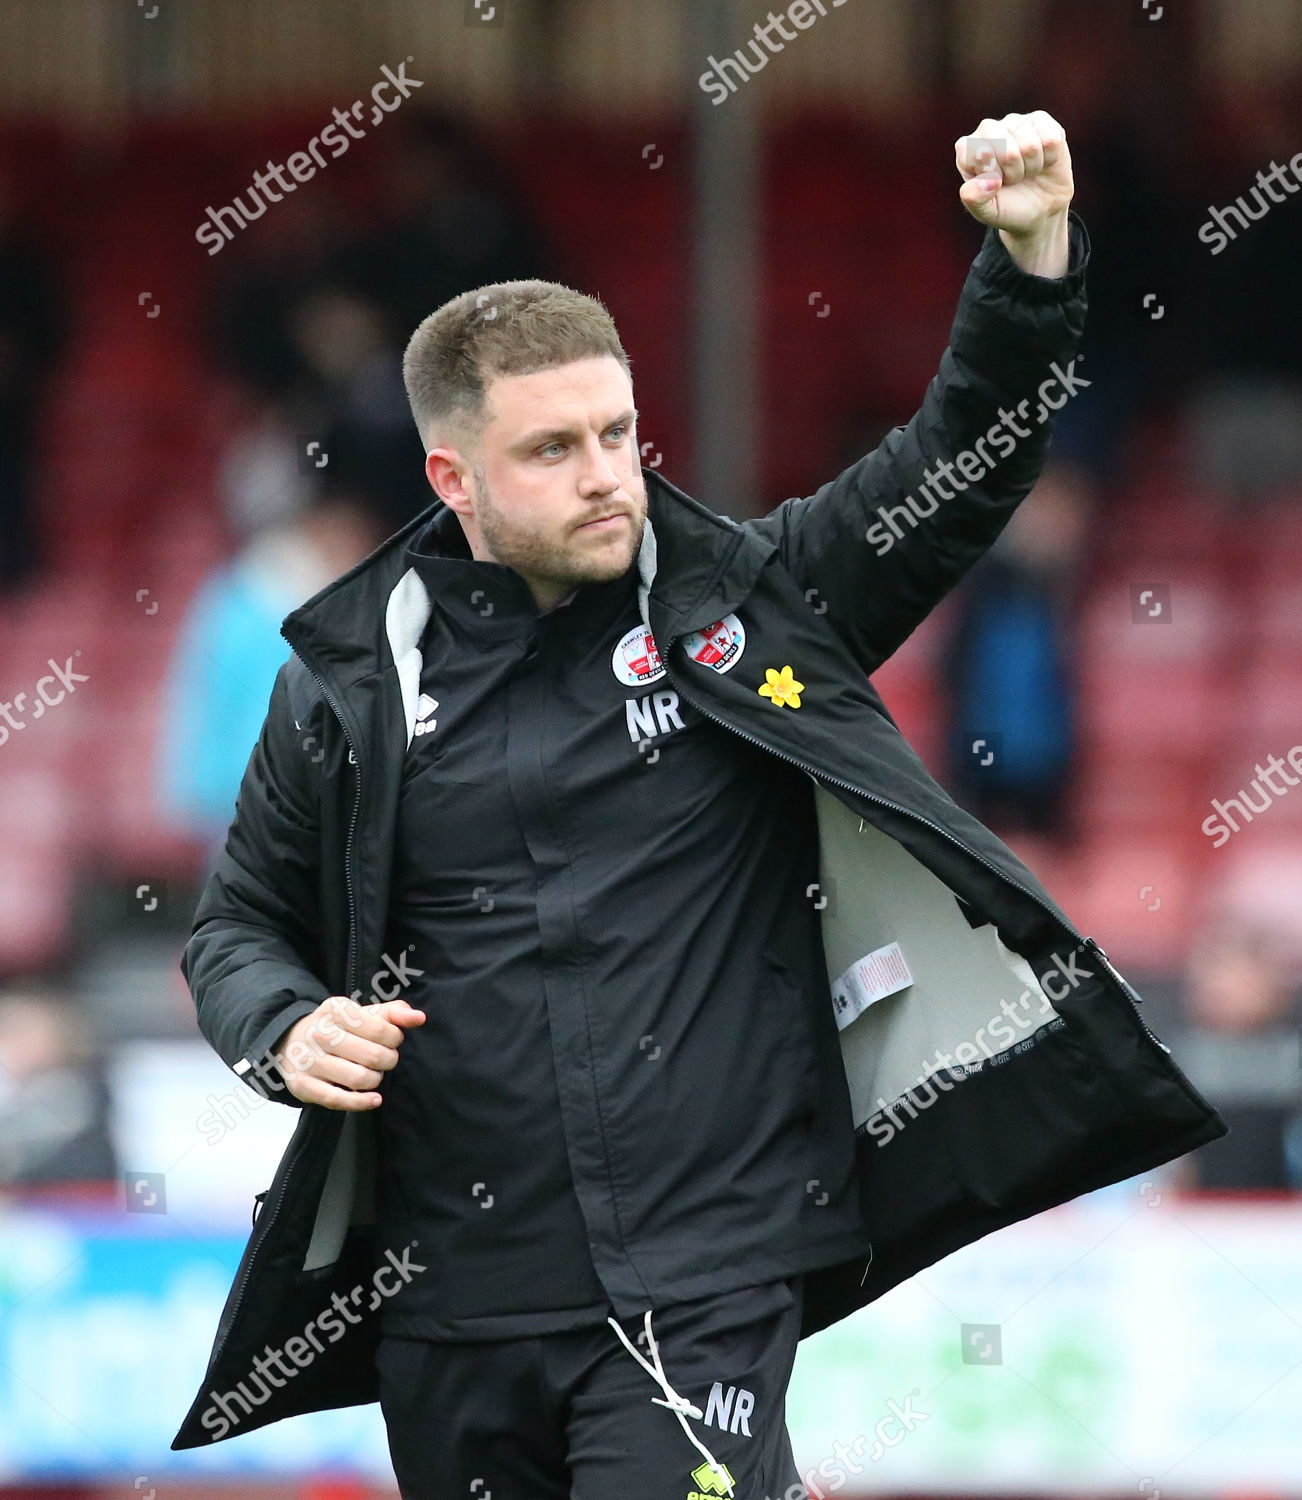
[{"x": 508, "y": 328}]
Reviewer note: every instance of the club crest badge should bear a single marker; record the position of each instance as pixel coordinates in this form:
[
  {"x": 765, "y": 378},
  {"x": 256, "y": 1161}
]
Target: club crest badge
[
  {"x": 636, "y": 661},
  {"x": 718, "y": 646}
]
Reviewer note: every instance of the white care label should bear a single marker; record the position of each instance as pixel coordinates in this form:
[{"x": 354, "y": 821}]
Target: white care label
[{"x": 882, "y": 972}]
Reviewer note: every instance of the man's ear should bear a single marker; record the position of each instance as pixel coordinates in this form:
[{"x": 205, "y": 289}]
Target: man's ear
[{"x": 447, "y": 471}]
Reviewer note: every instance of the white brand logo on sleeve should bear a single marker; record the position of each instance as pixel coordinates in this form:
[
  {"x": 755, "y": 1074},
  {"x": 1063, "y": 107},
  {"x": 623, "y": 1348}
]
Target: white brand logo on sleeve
[
  {"x": 884, "y": 971},
  {"x": 719, "y": 645},
  {"x": 635, "y": 659},
  {"x": 425, "y": 706}
]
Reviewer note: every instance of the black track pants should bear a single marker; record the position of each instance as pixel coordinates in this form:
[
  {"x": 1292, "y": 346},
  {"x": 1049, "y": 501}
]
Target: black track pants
[{"x": 572, "y": 1416}]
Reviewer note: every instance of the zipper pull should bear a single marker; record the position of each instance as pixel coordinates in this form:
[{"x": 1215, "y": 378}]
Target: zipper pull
[{"x": 1112, "y": 969}]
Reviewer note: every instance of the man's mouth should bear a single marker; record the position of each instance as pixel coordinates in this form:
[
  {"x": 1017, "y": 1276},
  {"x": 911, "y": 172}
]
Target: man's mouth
[{"x": 604, "y": 523}]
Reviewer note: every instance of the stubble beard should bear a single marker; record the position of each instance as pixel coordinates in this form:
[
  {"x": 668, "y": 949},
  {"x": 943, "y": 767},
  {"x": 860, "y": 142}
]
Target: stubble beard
[{"x": 540, "y": 556}]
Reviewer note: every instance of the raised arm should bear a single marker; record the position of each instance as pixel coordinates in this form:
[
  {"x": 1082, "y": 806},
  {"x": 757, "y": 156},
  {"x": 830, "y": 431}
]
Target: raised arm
[{"x": 877, "y": 547}]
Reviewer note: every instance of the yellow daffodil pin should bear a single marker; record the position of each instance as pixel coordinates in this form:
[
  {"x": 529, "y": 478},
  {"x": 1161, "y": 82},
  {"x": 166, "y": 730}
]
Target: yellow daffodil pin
[{"x": 781, "y": 687}]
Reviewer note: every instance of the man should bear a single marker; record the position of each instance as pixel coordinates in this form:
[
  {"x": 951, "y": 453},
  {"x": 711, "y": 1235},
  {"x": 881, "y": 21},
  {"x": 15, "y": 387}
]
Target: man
[{"x": 648, "y": 1005}]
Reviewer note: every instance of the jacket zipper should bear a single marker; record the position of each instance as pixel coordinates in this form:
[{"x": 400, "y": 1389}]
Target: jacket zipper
[
  {"x": 270, "y": 1208},
  {"x": 351, "y": 960},
  {"x": 1123, "y": 984},
  {"x": 1086, "y": 942}
]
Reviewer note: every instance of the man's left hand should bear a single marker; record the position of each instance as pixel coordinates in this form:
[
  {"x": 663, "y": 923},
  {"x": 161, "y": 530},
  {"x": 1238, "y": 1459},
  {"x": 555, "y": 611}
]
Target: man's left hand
[{"x": 1017, "y": 178}]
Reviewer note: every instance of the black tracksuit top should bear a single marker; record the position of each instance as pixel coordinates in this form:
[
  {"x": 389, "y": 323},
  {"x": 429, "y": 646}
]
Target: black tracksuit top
[{"x": 599, "y": 885}]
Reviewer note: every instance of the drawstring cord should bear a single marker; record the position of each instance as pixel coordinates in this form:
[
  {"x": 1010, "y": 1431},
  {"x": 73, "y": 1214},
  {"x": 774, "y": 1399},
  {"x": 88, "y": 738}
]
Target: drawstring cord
[{"x": 676, "y": 1403}]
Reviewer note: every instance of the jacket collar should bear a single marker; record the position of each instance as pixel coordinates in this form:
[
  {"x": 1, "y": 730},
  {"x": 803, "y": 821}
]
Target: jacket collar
[
  {"x": 694, "y": 567},
  {"x": 488, "y": 599}
]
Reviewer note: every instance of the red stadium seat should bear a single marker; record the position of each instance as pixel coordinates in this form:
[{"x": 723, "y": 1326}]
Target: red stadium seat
[
  {"x": 37, "y": 861},
  {"x": 1270, "y": 712},
  {"x": 1119, "y": 794},
  {"x": 1139, "y": 897},
  {"x": 1136, "y": 714},
  {"x": 1257, "y": 876}
]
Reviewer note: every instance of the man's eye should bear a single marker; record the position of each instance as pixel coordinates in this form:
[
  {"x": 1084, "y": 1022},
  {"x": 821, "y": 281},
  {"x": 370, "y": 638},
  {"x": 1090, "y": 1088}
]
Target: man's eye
[
  {"x": 618, "y": 432},
  {"x": 550, "y": 446}
]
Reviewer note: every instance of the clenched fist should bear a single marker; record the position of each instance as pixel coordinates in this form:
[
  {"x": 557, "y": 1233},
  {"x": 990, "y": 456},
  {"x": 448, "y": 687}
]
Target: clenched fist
[
  {"x": 340, "y": 1052},
  {"x": 1017, "y": 179}
]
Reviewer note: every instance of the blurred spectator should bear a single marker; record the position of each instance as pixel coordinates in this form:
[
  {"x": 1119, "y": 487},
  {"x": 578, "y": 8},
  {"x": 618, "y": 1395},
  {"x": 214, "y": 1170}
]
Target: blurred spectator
[
  {"x": 1244, "y": 433},
  {"x": 1128, "y": 125},
  {"x": 54, "y": 1097},
  {"x": 1241, "y": 1050},
  {"x": 1243, "y": 421},
  {"x": 448, "y": 222},
  {"x": 229, "y": 647},
  {"x": 28, "y": 342},
  {"x": 258, "y": 280},
  {"x": 316, "y": 311},
  {"x": 263, "y": 477},
  {"x": 1007, "y": 668},
  {"x": 351, "y": 402}
]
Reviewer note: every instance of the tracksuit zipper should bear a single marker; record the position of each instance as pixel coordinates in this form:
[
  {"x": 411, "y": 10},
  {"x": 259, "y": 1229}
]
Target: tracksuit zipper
[
  {"x": 1086, "y": 942},
  {"x": 269, "y": 1208}
]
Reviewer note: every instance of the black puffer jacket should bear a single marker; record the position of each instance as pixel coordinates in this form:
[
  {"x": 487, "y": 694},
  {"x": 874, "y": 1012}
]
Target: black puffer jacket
[{"x": 1010, "y": 1073}]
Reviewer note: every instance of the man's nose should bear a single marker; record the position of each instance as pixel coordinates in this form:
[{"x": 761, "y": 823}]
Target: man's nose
[{"x": 599, "y": 475}]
